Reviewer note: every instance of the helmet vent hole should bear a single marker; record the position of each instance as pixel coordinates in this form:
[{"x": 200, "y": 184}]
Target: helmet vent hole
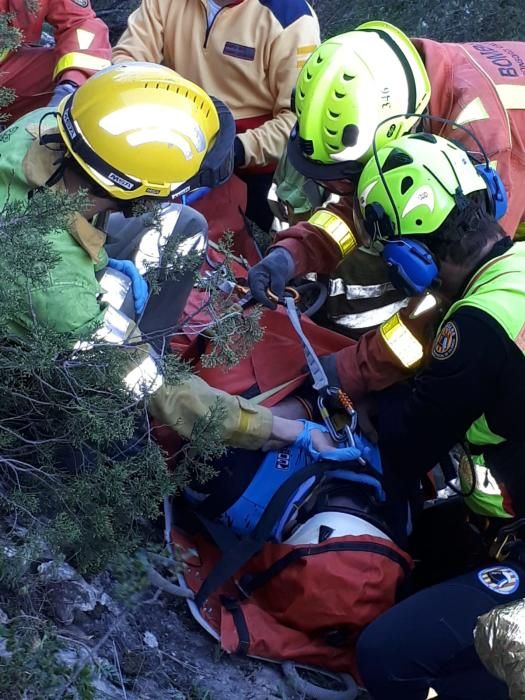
[
  {"x": 332, "y": 147},
  {"x": 331, "y": 132},
  {"x": 319, "y": 59},
  {"x": 423, "y": 136},
  {"x": 348, "y": 77},
  {"x": 301, "y": 93},
  {"x": 395, "y": 159},
  {"x": 418, "y": 222},
  {"x": 350, "y": 135},
  {"x": 406, "y": 184},
  {"x": 308, "y": 75},
  {"x": 339, "y": 95},
  {"x": 334, "y": 115}
]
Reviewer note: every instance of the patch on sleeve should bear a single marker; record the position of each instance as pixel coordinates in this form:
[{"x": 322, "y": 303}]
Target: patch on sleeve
[
  {"x": 81, "y": 3},
  {"x": 447, "y": 341},
  {"x": 500, "y": 579}
]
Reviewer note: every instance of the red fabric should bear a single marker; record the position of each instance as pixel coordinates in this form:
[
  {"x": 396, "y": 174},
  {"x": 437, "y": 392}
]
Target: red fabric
[
  {"x": 461, "y": 73},
  {"x": 278, "y": 357},
  {"x": 65, "y": 16},
  {"x": 224, "y": 209},
  {"x": 29, "y": 70},
  {"x": 243, "y": 125},
  {"x": 29, "y": 73},
  {"x": 290, "y": 616}
]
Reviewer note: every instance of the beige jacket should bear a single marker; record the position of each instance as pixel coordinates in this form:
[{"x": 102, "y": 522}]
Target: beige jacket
[{"x": 249, "y": 58}]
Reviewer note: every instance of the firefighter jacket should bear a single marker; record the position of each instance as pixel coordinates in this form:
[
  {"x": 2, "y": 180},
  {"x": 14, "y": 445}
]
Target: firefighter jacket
[
  {"x": 70, "y": 300},
  {"x": 249, "y": 57},
  {"x": 82, "y": 40},
  {"x": 481, "y": 86},
  {"x": 472, "y": 387}
]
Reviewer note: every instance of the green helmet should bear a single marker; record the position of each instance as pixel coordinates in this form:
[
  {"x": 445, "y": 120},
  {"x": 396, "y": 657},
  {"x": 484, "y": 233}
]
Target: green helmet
[
  {"x": 425, "y": 176},
  {"x": 346, "y": 88}
]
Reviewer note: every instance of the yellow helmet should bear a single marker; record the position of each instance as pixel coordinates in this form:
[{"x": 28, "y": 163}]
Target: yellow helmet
[{"x": 141, "y": 130}]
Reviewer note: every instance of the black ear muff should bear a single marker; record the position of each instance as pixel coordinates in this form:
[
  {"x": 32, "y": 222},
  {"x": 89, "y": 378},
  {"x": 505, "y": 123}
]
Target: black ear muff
[
  {"x": 377, "y": 223},
  {"x": 496, "y": 192}
]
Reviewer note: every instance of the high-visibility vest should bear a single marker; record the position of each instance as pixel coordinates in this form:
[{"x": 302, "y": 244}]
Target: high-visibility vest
[{"x": 498, "y": 289}]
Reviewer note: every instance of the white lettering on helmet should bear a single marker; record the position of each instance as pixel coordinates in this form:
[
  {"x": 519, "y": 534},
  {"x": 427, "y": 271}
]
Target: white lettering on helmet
[
  {"x": 69, "y": 125},
  {"x": 126, "y": 184}
]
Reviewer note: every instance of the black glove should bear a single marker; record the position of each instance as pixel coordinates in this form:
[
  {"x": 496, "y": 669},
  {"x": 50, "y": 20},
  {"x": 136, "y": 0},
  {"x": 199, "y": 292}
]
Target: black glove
[
  {"x": 62, "y": 90},
  {"x": 273, "y": 272}
]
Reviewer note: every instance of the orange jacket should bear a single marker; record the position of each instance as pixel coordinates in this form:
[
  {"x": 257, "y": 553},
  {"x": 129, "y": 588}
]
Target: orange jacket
[
  {"x": 481, "y": 86},
  {"x": 82, "y": 40},
  {"x": 249, "y": 58}
]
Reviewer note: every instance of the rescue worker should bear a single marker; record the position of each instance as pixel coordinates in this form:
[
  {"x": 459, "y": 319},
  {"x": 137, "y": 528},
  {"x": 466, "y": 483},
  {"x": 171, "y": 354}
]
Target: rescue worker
[
  {"x": 100, "y": 140},
  {"x": 40, "y": 74},
  {"x": 422, "y": 197},
  {"x": 349, "y": 86},
  {"x": 247, "y": 53}
]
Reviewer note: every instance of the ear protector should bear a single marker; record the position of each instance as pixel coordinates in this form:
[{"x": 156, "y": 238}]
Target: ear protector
[
  {"x": 410, "y": 263},
  {"x": 412, "y": 266},
  {"x": 496, "y": 192}
]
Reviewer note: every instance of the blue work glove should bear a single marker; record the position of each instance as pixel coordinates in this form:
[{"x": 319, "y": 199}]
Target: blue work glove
[
  {"x": 62, "y": 90},
  {"x": 139, "y": 285},
  {"x": 337, "y": 454},
  {"x": 273, "y": 272},
  {"x": 363, "y": 449}
]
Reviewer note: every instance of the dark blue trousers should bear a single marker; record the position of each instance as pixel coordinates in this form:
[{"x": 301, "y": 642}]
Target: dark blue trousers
[{"x": 426, "y": 641}]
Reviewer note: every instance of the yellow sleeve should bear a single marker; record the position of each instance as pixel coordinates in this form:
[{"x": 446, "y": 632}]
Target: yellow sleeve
[
  {"x": 179, "y": 407},
  {"x": 265, "y": 144},
  {"x": 143, "y": 40}
]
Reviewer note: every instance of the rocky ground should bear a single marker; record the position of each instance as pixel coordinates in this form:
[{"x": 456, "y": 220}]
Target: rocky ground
[{"x": 155, "y": 650}]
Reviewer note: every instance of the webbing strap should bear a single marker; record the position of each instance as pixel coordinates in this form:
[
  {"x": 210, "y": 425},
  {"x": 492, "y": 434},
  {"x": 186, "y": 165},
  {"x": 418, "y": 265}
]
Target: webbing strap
[
  {"x": 320, "y": 380},
  {"x": 239, "y": 551}
]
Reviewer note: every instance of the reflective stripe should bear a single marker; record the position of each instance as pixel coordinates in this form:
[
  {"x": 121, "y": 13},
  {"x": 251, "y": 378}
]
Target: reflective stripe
[
  {"x": 405, "y": 346},
  {"x": 473, "y": 112},
  {"x": 307, "y": 49},
  {"x": 80, "y": 61},
  {"x": 145, "y": 378},
  {"x": 4, "y": 54},
  {"x": 115, "y": 286},
  {"x": 84, "y": 39},
  {"x": 427, "y": 303},
  {"x": 336, "y": 229},
  {"x": 512, "y": 96},
  {"x": 368, "y": 319},
  {"x": 358, "y": 291},
  {"x": 114, "y": 330}
]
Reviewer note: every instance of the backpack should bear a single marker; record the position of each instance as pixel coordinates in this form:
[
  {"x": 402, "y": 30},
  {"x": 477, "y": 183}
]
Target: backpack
[{"x": 283, "y": 574}]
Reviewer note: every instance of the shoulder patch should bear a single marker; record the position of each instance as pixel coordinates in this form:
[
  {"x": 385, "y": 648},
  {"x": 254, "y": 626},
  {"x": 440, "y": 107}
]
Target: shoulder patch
[
  {"x": 500, "y": 579},
  {"x": 287, "y": 12},
  {"x": 447, "y": 341},
  {"x": 81, "y": 3}
]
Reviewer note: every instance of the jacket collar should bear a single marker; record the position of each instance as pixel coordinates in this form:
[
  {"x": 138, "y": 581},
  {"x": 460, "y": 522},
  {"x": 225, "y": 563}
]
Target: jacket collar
[
  {"x": 38, "y": 166},
  {"x": 502, "y": 246}
]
